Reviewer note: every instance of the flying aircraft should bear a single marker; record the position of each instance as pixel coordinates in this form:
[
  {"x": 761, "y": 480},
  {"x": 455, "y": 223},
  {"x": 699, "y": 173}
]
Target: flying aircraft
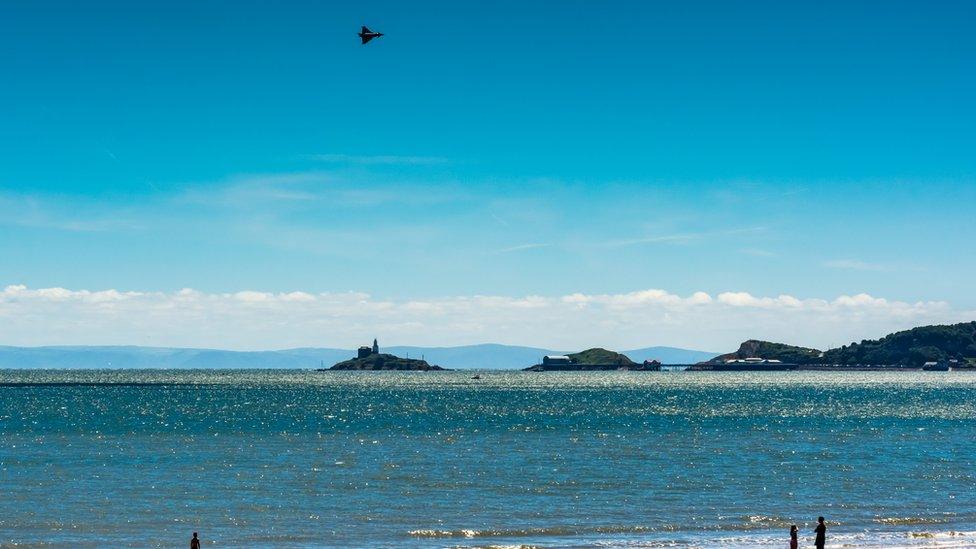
[{"x": 368, "y": 35}]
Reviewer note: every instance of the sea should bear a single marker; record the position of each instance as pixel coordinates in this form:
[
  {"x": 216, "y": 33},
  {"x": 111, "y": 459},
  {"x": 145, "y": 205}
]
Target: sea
[{"x": 306, "y": 459}]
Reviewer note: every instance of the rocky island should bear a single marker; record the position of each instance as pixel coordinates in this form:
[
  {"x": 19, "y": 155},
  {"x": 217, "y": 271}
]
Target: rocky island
[
  {"x": 370, "y": 358},
  {"x": 595, "y": 359}
]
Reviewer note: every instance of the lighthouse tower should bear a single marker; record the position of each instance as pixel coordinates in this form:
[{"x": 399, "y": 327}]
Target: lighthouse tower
[{"x": 376, "y": 347}]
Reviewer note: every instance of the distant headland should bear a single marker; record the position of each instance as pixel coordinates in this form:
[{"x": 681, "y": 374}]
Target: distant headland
[
  {"x": 937, "y": 348},
  {"x": 940, "y": 347},
  {"x": 370, "y": 358}
]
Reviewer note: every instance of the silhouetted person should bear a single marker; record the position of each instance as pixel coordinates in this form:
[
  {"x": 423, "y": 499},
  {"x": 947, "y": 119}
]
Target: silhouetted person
[
  {"x": 821, "y": 531},
  {"x": 794, "y": 540},
  {"x": 195, "y": 542}
]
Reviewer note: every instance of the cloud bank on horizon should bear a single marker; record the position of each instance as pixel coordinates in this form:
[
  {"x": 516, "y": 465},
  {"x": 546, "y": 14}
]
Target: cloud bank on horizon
[{"x": 251, "y": 320}]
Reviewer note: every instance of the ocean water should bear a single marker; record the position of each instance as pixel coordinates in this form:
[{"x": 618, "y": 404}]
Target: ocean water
[{"x": 296, "y": 459}]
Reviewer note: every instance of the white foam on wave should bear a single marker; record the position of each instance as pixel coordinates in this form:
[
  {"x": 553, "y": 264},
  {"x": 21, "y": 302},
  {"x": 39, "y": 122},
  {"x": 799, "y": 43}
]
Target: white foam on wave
[{"x": 948, "y": 539}]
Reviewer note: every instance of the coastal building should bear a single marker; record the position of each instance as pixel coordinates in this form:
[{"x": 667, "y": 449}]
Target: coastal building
[
  {"x": 551, "y": 360},
  {"x": 366, "y": 350},
  {"x": 753, "y": 360}
]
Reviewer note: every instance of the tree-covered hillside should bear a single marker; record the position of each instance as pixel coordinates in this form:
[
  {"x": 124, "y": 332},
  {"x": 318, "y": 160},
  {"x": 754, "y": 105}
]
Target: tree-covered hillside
[{"x": 911, "y": 347}]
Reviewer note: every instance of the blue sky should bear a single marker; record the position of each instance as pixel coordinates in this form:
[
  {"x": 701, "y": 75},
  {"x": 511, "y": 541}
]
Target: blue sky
[{"x": 816, "y": 150}]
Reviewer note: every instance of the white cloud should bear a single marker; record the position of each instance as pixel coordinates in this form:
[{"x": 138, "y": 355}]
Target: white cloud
[
  {"x": 745, "y": 299},
  {"x": 19, "y": 292},
  {"x": 265, "y": 320},
  {"x": 298, "y": 296},
  {"x": 254, "y": 297},
  {"x": 637, "y": 299}
]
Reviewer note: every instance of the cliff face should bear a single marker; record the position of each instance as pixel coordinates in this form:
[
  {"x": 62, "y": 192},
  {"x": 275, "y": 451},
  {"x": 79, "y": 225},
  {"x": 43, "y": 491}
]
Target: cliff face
[
  {"x": 754, "y": 348},
  {"x": 382, "y": 361}
]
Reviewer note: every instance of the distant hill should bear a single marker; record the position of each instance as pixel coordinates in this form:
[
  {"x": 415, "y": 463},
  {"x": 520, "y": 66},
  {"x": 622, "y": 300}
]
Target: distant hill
[
  {"x": 668, "y": 355},
  {"x": 81, "y": 357},
  {"x": 915, "y": 347},
  {"x": 485, "y": 356},
  {"x": 911, "y": 347},
  {"x": 772, "y": 351}
]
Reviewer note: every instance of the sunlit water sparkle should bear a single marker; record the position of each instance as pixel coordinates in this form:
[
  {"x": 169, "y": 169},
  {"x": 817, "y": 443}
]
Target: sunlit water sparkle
[{"x": 618, "y": 459}]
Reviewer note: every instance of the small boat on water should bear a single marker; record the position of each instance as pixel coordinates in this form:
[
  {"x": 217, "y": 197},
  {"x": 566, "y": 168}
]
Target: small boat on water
[{"x": 476, "y": 376}]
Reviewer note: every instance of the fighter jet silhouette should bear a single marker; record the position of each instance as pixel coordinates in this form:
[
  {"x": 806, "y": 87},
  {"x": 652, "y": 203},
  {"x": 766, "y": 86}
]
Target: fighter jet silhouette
[{"x": 368, "y": 35}]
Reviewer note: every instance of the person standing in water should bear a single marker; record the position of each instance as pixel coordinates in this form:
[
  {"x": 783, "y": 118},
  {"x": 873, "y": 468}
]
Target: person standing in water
[
  {"x": 794, "y": 541},
  {"x": 195, "y": 542},
  {"x": 821, "y": 531}
]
